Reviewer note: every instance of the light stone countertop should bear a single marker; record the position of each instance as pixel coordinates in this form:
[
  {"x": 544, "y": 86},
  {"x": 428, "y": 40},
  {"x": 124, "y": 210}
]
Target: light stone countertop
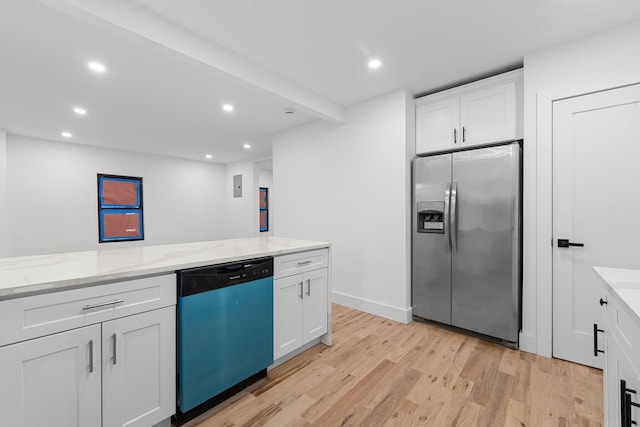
[
  {"x": 21, "y": 276},
  {"x": 624, "y": 284}
]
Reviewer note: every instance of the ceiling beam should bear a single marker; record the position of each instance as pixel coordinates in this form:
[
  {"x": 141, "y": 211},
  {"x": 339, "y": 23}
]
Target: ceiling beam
[{"x": 140, "y": 24}]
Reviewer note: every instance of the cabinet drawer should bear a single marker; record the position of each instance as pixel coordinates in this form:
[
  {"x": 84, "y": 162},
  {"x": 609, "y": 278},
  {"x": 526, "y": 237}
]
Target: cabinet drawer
[
  {"x": 287, "y": 265},
  {"x": 39, "y": 315}
]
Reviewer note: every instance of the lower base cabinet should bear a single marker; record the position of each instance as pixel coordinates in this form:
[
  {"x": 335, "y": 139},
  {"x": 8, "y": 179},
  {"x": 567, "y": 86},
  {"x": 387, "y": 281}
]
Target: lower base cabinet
[
  {"x": 300, "y": 303},
  {"x": 53, "y": 380},
  {"x": 621, "y": 374},
  {"x": 116, "y": 373},
  {"x": 138, "y": 369},
  {"x": 621, "y": 383}
]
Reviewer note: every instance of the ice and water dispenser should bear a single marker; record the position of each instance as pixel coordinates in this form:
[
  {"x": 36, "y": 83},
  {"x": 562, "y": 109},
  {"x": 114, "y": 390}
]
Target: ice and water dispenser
[{"x": 431, "y": 217}]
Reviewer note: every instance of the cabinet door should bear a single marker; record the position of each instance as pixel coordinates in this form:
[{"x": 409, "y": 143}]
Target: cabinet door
[
  {"x": 489, "y": 115},
  {"x": 437, "y": 126},
  {"x": 287, "y": 314},
  {"x": 52, "y": 381},
  {"x": 138, "y": 365},
  {"x": 618, "y": 367},
  {"x": 314, "y": 322}
]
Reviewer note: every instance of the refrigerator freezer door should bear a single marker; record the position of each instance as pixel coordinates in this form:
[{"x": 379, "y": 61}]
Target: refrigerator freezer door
[
  {"x": 431, "y": 281},
  {"x": 486, "y": 265}
]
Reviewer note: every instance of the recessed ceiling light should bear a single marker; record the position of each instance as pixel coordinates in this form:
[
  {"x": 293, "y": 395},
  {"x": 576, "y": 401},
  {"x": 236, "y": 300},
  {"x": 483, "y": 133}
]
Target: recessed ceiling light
[
  {"x": 97, "y": 67},
  {"x": 375, "y": 63},
  {"x": 80, "y": 111},
  {"x": 66, "y": 134},
  {"x": 227, "y": 107},
  {"x": 209, "y": 156},
  {"x": 246, "y": 146}
]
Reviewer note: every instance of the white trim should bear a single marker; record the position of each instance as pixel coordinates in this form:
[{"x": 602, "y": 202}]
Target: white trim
[
  {"x": 544, "y": 223},
  {"x": 527, "y": 343},
  {"x": 372, "y": 307}
]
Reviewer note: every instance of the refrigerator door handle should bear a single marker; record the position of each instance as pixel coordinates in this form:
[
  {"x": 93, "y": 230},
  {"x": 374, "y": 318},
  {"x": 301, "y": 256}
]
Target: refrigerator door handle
[
  {"x": 447, "y": 210},
  {"x": 453, "y": 220}
]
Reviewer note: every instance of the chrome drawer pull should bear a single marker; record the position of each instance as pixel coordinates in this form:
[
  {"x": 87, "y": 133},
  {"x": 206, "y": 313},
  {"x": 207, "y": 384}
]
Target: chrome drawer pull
[
  {"x": 90, "y": 356},
  {"x": 104, "y": 304},
  {"x": 300, "y": 263},
  {"x": 115, "y": 351}
]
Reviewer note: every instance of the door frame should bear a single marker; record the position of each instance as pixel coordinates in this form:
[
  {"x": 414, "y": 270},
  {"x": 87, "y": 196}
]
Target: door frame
[{"x": 543, "y": 344}]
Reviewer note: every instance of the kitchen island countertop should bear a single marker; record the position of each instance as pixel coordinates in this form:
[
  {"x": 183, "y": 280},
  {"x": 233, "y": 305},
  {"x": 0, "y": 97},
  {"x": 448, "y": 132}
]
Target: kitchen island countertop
[
  {"x": 26, "y": 275},
  {"x": 624, "y": 284}
]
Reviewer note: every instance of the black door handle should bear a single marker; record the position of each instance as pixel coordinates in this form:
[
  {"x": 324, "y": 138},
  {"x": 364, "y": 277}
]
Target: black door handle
[{"x": 565, "y": 243}]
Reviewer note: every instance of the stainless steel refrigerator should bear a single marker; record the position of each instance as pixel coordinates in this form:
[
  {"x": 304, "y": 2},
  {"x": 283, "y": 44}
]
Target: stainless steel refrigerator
[{"x": 466, "y": 240}]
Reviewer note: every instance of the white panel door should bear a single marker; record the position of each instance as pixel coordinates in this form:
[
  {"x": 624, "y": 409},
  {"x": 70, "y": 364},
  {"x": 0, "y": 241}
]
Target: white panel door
[
  {"x": 596, "y": 202},
  {"x": 437, "y": 126},
  {"x": 287, "y": 314},
  {"x": 52, "y": 381},
  {"x": 139, "y": 368},
  {"x": 489, "y": 115},
  {"x": 315, "y": 305}
]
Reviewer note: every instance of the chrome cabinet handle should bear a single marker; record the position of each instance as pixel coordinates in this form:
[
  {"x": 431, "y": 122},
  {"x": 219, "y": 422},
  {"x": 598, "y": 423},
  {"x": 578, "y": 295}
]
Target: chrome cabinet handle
[
  {"x": 455, "y": 135},
  {"x": 90, "y": 356},
  {"x": 301, "y": 263},
  {"x": 301, "y": 292},
  {"x": 464, "y": 134},
  {"x": 104, "y": 304},
  {"x": 114, "y": 354},
  {"x": 309, "y": 287}
]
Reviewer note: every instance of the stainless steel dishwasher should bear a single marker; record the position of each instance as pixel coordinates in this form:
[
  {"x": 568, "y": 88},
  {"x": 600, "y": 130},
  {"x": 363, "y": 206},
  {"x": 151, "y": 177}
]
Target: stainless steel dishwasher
[{"x": 225, "y": 332}]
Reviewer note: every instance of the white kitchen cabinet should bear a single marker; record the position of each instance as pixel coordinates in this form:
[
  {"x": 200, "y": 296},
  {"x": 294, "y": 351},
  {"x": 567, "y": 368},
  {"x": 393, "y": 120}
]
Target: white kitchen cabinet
[
  {"x": 53, "y": 380},
  {"x": 66, "y": 374},
  {"x": 314, "y": 310},
  {"x": 138, "y": 368},
  {"x": 437, "y": 125},
  {"x": 621, "y": 363},
  {"x": 479, "y": 113},
  {"x": 300, "y": 300},
  {"x": 619, "y": 368},
  {"x": 287, "y": 315}
]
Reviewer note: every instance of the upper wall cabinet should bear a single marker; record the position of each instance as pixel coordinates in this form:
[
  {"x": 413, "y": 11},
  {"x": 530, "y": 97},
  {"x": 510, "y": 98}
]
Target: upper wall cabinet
[{"x": 483, "y": 112}]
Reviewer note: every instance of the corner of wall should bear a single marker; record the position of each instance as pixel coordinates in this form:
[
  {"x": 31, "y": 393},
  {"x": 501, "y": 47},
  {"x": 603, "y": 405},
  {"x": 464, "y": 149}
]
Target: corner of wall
[{"x": 4, "y": 242}]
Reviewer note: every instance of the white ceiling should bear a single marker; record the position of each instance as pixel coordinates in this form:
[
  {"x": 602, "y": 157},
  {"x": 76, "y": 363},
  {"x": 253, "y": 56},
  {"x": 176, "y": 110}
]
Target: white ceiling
[{"x": 172, "y": 64}]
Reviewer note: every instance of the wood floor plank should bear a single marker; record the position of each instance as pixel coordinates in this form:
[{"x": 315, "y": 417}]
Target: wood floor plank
[{"x": 383, "y": 373}]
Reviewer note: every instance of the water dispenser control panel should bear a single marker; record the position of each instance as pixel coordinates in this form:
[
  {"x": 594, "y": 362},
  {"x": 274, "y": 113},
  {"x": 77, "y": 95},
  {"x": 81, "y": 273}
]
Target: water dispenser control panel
[{"x": 431, "y": 217}]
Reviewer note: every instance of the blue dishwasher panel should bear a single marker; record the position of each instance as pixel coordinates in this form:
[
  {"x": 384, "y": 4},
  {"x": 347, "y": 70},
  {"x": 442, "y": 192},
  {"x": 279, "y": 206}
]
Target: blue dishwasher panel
[{"x": 226, "y": 336}]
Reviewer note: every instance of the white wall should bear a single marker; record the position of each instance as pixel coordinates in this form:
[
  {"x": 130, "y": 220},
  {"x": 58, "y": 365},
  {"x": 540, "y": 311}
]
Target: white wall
[
  {"x": 590, "y": 64},
  {"x": 266, "y": 180},
  {"x": 242, "y": 212},
  {"x": 4, "y": 240},
  {"x": 350, "y": 185},
  {"x": 52, "y": 196}
]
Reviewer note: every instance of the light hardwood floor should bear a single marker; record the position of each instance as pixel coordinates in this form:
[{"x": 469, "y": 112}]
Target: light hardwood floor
[{"x": 382, "y": 373}]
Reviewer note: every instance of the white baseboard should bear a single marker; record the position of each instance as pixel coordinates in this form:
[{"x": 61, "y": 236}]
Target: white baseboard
[
  {"x": 528, "y": 343},
  {"x": 387, "y": 311}
]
